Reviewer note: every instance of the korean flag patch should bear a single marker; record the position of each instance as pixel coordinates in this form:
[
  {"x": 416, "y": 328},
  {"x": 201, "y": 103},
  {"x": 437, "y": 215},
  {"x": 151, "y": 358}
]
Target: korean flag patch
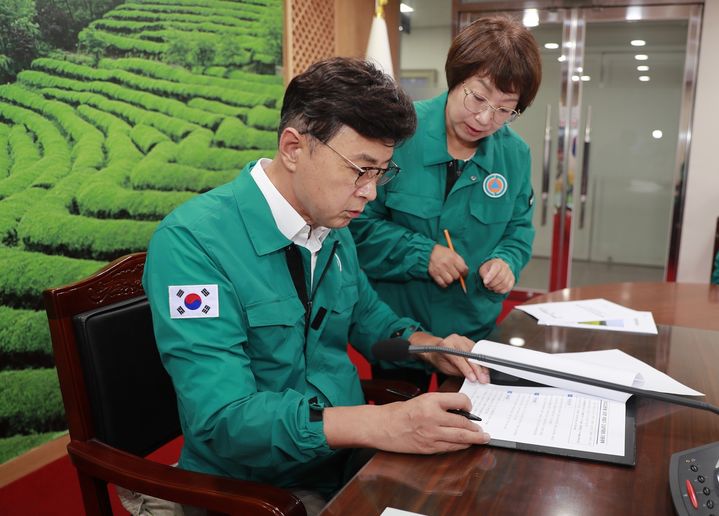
[{"x": 194, "y": 301}]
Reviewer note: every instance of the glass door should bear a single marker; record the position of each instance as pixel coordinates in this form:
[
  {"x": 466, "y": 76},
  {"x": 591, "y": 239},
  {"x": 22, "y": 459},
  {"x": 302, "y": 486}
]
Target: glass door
[{"x": 609, "y": 134}]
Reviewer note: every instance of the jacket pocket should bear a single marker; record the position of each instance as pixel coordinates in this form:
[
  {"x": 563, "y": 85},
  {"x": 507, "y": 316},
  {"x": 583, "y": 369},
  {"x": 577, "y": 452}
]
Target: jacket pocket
[
  {"x": 275, "y": 312},
  {"x": 275, "y": 334},
  {"x": 491, "y": 211}
]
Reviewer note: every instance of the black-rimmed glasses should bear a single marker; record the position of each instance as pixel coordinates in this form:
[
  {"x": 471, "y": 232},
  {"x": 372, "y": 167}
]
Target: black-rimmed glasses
[
  {"x": 476, "y": 104},
  {"x": 365, "y": 175}
]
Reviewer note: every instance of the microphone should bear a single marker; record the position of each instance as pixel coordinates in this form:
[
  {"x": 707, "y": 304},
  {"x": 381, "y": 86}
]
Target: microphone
[{"x": 397, "y": 349}]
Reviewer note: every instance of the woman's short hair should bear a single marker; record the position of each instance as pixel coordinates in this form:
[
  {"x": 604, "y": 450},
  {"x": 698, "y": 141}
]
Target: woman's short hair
[
  {"x": 502, "y": 49},
  {"x": 346, "y": 91}
]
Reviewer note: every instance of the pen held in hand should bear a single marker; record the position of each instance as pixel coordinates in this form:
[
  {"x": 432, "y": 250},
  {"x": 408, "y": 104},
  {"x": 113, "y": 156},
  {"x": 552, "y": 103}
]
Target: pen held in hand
[
  {"x": 460, "y": 412},
  {"x": 464, "y": 413},
  {"x": 451, "y": 248}
]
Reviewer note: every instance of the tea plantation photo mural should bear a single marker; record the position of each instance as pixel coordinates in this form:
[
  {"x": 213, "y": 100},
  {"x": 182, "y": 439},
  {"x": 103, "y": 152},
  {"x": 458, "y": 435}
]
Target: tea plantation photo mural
[{"x": 106, "y": 124}]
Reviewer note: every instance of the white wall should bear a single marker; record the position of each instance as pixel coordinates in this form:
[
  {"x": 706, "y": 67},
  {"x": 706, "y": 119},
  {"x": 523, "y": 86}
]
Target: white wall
[
  {"x": 426, "y": 48},
  {"x": 702, "y": 200}
]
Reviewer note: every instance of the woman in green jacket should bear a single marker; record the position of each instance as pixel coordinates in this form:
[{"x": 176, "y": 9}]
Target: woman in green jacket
[{"x": 465, "y": 171}]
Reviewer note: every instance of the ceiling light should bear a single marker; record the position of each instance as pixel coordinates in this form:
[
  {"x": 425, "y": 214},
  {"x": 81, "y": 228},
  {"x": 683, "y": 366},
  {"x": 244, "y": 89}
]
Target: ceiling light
[
  {"x": 644, "y": 78},
  {"x": 531, "y": 18},
  {"x": 657, "y": 134},
  {"x": 404, "y": 8},
  {"x": 634, "y": 13},
  {"x": 575, "y": 78},
  {"x": 586, "y": 78},
  {"x": 638, "y": 42},
  {"x": 551, "y": 46},
  {"x": 641, "y": 57},
  {"x": 561, "y": 59},
  {"x": 642, "y": 68},
  {"x": 516, "y": 341}
]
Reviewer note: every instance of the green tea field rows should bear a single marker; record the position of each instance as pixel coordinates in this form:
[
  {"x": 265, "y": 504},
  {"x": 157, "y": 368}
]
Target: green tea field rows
[{"x": 169, "y": 98}]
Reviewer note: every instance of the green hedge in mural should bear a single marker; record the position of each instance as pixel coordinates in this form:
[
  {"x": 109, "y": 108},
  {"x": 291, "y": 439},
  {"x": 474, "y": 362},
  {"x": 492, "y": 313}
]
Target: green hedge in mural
[
  {"x": 269, "y": 84},
  {"x": 157, "y": 171},
  {"x": 174, "y": 128},
  {"x": 103, "y": 196},
  {"x": 147, "y": 101},
  {"x": 196, "y": 150},
  {"x": 13, "y": 209},
  {"x": 236, "y": 134},
  {"x": 24, "y": 339},
  {"x": 263, "y": 118},
  {"x": 22, "y": 154},
  {"x": 83, "y": 237},
  {"x": 221, "y": 109},
  {"x": 146, "y": 137},
  {"x": 36, "y": 388},
  {"x": 96, "y": 148},
  {"x": 26, "y": 275}
]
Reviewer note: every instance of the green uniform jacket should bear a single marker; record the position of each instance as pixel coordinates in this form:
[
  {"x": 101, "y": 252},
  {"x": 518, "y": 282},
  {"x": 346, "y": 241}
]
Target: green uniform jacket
[
  {"x": 715, "y": 274},
  {"x": 396, "y": 233},
  {"x": 245, "y": 380}
]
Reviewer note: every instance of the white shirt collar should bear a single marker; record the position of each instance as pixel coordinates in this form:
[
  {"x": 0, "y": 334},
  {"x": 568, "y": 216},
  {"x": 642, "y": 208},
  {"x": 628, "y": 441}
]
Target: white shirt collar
[{"x": 289, "y": 222}]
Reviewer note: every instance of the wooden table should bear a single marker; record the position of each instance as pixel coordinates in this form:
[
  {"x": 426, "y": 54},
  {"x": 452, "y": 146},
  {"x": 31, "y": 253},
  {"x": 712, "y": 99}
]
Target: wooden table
[{"x": 496, "y": 481}]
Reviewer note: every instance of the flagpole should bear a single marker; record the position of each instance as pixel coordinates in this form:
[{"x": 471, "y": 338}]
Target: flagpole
[{"x": 378, "y": 49}]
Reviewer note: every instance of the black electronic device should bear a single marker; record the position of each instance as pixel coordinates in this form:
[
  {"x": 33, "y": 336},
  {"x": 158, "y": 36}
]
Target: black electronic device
[{"x": 694, "y": 480}]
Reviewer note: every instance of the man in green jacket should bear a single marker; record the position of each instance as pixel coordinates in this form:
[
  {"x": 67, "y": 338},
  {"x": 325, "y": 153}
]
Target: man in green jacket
[
  {"x": 467, "y": 172},
  {"x": 255, "y": 290}
]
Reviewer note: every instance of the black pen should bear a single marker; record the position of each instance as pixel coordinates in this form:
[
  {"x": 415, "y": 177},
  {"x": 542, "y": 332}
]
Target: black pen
[{"x": 460, "y": 412}]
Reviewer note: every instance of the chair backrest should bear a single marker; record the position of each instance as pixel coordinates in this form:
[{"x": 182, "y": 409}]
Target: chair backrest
[{"x": 114, "y": 387}]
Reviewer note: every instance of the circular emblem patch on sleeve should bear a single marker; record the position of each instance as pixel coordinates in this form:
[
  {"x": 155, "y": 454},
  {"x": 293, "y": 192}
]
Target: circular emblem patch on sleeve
[{"x": 495, "y": 185}]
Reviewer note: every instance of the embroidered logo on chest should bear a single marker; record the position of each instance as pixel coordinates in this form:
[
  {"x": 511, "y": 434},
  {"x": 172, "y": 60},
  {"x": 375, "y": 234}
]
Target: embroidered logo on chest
[{"x": 495, "y": 185}]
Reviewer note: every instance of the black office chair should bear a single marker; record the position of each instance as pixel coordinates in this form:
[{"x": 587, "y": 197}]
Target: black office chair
[{"x": 120, "y": 403}]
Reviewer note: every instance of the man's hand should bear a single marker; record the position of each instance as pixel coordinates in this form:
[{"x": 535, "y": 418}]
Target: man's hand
[
  {"x": 497, "y": 276},
  {"x": 445, "y": 266},
  {"x": 451, "y": 364},
  {"x": 419, "y": 425}
]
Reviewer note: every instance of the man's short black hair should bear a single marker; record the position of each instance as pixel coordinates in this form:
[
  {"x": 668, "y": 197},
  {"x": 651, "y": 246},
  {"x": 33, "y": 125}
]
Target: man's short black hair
[{"x": 346, "y": 91}]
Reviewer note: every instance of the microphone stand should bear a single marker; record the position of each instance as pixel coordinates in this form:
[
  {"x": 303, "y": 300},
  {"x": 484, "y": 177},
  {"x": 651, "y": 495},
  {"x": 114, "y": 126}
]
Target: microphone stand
[{"x": 662, "y": 396}]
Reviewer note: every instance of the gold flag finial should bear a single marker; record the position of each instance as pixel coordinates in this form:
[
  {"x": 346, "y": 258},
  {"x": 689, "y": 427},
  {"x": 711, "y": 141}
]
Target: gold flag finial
[{"x": 379, "y": 8}]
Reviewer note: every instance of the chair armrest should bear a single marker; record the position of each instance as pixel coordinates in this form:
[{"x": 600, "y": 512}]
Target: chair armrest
[
  {"x": 376, "y": 390},
  {"x": 215, "y": 493}
]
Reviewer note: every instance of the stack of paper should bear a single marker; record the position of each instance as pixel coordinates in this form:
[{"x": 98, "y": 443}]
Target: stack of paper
[{"x": 594, "y": 314}]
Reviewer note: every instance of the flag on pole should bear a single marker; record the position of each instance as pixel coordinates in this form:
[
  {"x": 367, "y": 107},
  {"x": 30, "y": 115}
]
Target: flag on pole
[{"x": 378, "y": 46}]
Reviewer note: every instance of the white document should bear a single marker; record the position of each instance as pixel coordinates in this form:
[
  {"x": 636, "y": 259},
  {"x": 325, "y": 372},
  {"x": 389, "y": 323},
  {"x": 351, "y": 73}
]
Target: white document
[
  {"x": 640, "y": 322},
  {"x": 595, "y": 314},
  {"x": 577, "y": 311},
  {"x": 549, "y": 417},
  {"x": 611, "y": 366},
  {"x": 559, "y": 362},
  {"x": 654, "y": 380}
]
